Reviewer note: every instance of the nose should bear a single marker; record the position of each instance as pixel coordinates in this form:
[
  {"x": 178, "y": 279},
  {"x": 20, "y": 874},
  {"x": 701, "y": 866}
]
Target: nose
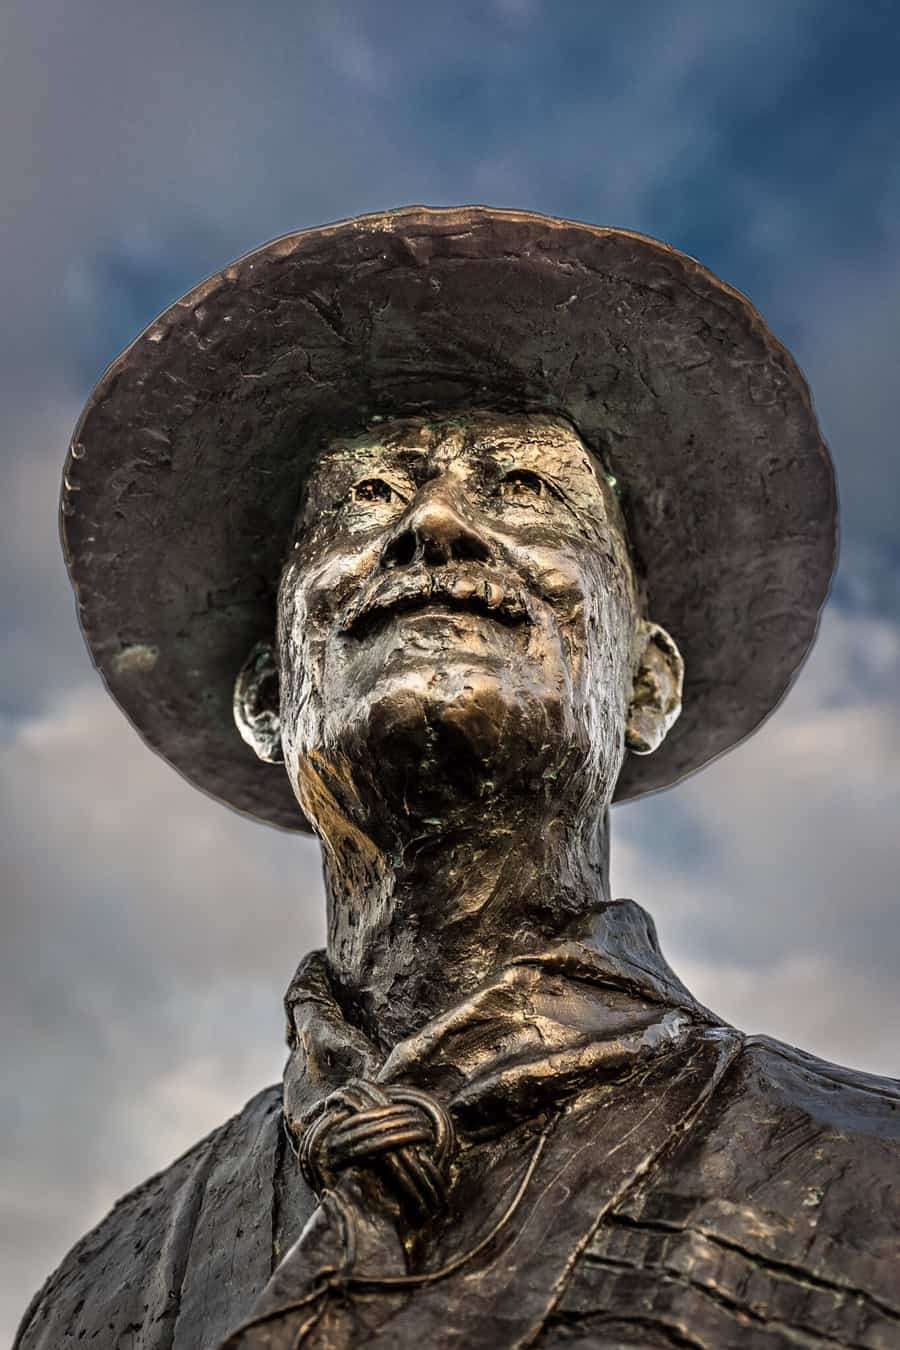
[{"x": 435, "y": 529}]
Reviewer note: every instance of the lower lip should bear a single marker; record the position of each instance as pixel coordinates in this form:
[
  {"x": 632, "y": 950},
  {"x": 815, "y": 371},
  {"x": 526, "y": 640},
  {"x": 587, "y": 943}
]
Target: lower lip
[
  {"x": 442, "y": 623},
  {"x": 443, "y": 614}
]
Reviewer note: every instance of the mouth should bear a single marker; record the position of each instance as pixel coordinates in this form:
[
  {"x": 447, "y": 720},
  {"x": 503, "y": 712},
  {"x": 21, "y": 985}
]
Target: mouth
[{"x": 482, "y": 593}]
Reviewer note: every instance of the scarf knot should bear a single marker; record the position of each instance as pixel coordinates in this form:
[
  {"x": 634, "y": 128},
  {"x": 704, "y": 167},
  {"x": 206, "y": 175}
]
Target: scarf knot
[
  {"x": 403, "y": 1133},
  {"x": 601, "y": 1045}
]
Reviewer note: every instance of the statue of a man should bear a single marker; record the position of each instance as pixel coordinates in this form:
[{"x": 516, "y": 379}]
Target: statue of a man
[{"x": 565, "y": 526}]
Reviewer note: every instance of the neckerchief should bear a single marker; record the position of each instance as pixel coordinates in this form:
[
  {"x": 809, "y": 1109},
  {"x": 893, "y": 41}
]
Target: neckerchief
[{"x": 564, "y": 1075}]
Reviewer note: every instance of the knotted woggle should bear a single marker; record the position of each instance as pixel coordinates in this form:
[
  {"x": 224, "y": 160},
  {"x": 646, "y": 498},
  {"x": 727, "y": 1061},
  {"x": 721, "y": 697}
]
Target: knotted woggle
[{"x": 405, "y": 1134}]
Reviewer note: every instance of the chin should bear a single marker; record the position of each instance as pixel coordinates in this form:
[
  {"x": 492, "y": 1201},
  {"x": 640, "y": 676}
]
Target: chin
[{"x": 424, "y": 743}]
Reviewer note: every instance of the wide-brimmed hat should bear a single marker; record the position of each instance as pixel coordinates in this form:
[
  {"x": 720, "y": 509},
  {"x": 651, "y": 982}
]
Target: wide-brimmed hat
[{"x": 188, "y": 464}]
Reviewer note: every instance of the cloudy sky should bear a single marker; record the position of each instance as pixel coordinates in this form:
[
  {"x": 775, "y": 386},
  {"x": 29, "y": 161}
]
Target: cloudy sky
[{"x": 147, "y": 932}]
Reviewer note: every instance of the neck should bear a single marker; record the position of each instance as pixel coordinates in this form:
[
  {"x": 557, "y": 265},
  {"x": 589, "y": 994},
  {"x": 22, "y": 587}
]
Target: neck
[{"x": 417, "y": 925}]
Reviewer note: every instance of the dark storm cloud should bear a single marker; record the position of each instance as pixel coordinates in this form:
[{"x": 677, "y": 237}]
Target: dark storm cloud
[{"x": 148, "y": 933}]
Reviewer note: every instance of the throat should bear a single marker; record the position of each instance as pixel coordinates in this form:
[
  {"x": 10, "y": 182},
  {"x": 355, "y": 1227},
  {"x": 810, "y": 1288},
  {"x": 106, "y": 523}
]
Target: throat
[{"x": 410, "y": 937}]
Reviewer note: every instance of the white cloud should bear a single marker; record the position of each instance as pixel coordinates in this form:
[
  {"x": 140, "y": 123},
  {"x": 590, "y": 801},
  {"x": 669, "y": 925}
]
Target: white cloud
[
  {"x": 148, "y": 936},
  {"x": 779, "y": 897}
]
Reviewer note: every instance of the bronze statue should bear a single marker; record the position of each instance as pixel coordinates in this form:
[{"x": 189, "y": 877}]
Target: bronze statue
[{"x": 565, "y": 526}]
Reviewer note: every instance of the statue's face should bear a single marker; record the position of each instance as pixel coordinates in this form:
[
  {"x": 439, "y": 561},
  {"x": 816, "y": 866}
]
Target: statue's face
[{"x": 456, "y": 620}]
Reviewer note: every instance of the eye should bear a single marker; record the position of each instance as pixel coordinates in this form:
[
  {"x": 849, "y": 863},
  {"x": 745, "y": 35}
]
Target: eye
[
  {"x": 521, "y": 484},
  {"x": 372, "y": 490}
]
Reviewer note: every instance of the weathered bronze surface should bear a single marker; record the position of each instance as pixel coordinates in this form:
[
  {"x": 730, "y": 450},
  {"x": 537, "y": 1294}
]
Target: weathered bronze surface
[
  {"x": 187, "y": 466},
  {"x": 504, "y": 1121}
]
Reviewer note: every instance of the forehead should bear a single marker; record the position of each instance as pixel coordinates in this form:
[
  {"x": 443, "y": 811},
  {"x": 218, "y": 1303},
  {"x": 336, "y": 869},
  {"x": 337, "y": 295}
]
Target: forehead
[{"x": 480, "y": 443}]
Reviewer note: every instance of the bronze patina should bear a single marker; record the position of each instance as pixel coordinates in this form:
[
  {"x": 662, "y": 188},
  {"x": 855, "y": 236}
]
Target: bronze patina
[{"x": 436, "y": 532}]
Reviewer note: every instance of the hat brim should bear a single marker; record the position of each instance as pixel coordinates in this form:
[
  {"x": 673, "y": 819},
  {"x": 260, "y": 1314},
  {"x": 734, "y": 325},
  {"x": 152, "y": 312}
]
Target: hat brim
[{"x": 187, "y": 466}]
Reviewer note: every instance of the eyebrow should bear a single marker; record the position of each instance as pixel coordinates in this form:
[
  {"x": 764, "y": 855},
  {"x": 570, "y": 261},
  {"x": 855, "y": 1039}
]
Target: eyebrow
[
  {"x": 343, "y": 456},
  {"x": 346, "y": 460}
]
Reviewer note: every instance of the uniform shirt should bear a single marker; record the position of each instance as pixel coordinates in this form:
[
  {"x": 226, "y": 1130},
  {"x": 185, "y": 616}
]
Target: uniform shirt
[{"x": 688, "y": 1185}]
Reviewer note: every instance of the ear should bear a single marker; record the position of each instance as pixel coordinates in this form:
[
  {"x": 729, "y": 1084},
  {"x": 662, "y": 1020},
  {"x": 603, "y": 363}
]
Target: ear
[
  {"x": 257, "y": 703},
  {"x": 656, "y": 692}
]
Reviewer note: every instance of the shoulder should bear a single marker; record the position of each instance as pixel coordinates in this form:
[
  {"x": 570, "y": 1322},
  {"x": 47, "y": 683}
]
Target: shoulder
[
  {"x": 129, "y": 1272},
  {"x": 792, "y": 1064},
  {"x": 806, "y": 1137},
  {"x": 832, "y": 1098},
  {"x": 774, "y": 1212},
  {"x": 795, "y": 1161}
]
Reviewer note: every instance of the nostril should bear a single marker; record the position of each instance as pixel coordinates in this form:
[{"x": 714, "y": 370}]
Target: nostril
[
  {"x": 436, "y": 533},
  {"x": 467, "y": 546},
  {"x": 399, "y": 551}
]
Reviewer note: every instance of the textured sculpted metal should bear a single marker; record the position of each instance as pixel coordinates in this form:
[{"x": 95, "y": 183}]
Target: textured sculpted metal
[
  {"x": 504, "y": 1121},
  {"x": 188, "y": 464}
]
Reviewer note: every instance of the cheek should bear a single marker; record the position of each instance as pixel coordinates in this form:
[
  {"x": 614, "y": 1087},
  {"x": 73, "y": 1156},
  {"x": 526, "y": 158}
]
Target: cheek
[
  {"x": 605, "y": 674},
  {"x": 588, "y": 596},
  {"x": 301, "y": 649},
  {"x": 313, "y": 595},
  {"x": 557, "y": 577},
  {"x": 555, "y": 574},
  {"x": 323, "y": 587}
]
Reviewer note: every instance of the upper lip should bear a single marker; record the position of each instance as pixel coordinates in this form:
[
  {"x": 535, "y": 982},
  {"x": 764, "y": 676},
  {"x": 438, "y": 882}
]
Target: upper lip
[{"x": 480, "y": 590}]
